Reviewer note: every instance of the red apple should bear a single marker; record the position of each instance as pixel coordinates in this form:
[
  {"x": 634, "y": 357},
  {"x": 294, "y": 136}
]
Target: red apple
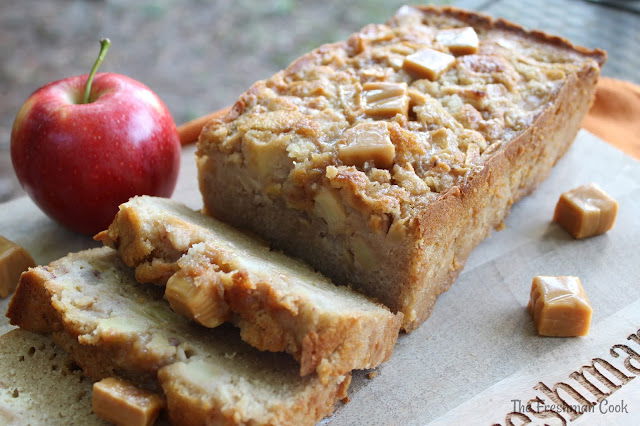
[{"x": 79, "y": 160}]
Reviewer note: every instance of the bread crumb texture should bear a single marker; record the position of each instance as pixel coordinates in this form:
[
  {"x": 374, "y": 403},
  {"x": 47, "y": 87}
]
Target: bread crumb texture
[
  {"x": 213, "y": 273},
  {"x": 40, "y": 384}
]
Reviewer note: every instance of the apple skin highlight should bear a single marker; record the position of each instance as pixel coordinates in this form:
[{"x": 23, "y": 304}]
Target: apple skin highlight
[{"x": 79, "y": 161}]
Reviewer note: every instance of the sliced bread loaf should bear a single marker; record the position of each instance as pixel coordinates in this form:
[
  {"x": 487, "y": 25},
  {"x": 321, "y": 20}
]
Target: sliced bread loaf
[
  {"x": 111, "y": 326},
  {"x": 215, "y": 273}
]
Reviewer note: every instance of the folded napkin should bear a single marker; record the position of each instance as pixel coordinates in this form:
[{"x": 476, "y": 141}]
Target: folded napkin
[{"x": 615, "y": 115}]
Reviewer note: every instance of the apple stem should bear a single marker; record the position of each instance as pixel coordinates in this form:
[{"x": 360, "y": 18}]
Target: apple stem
[{"x": 104, "y": 48}]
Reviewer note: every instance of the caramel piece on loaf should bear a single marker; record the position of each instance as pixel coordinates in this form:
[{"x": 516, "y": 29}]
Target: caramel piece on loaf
[
  {"x": 368, "y": 142},
  {"x": 559, "y": 306},
  {"x": 459, "y": 41},
  {"x": 385, "y": 99},
  {"x": 398, "y": 219},
  {"x": 214, "y": 273},
  {"x": 428, "y": 63},
  {"x": 586, "y": 211},
  {"x": 91, "y": 305},
  {"x": 14, "y": 260}
]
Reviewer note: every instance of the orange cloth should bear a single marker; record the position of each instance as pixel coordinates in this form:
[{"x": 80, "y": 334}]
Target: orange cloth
[{"x": 615, "y": 115}]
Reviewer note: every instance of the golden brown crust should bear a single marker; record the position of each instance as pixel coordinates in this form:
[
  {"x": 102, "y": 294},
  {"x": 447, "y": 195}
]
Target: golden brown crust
[
  {"x": 473, "y": 18},
  {"x": 478, "y": 18},
  {"x": 189, "y": 131},
  {"x": 30, "y": 307},
  {"x": 275, "y": 316},
  {"x": 403, "y": 251},
  {"x": 512, "y": 173}
]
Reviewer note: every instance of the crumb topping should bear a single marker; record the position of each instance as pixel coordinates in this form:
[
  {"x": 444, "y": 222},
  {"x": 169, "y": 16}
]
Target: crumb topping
[{"x": 394, "y": 116}]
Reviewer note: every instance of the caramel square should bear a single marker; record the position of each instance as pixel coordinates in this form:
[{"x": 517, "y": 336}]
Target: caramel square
[
  {"x": 384, "y": 100},
  {"x": 586, "y": 211},
  {"x": 14, "y": 260},
  {"x": 459, "y": 41},
  {"x": 368, "y": 141},
  {"x": 428, "y": 63},
  {"x": 120, "y": 402},
  {"x": 559, "y": 306}
]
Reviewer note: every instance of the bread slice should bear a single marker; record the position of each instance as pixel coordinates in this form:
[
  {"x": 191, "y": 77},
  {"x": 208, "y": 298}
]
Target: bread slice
[
  {"x": 278, "y": 303},
  {"x": 90, "y": 303},
  {"x": 41, "y": 385},
  {"x": 325, "y": 160}
]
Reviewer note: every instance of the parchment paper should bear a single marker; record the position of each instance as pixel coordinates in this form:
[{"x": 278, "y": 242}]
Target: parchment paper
[{"x": 479, "y": 350}]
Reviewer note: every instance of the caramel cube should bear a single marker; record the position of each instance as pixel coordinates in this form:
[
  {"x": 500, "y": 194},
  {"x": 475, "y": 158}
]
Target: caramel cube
[
  {"x": 14, "y": 260},
  {"x": 122, "y": 403},
  {"x": 428, "y": 63},
  {"x": 586, "y": 211},
  {"x": 200, "y": 298},
  {"x": 559, "y": 306},
  {"x": 459, "y": 41},
  {"x": 368, "y": 141},
  {"x": 385, "y": 99}
]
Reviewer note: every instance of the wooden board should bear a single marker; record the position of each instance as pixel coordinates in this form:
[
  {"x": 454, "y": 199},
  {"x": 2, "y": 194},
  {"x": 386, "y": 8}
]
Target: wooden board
[{"x": 478, "y": 357}]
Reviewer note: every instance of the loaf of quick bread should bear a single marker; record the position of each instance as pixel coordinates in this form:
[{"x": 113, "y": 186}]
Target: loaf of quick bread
[
  {"x": 383, "y": 160},
  {"x": 111, "y": 326},
  {"x": 215, "y": 274}
]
